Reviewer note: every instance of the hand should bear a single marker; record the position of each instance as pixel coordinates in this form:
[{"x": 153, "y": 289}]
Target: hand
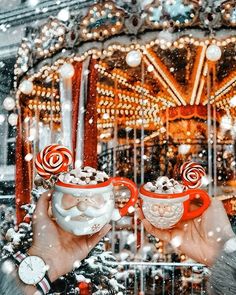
[
  {"x": 201, "y": 238},
  {"x": 59, "y": 249}
]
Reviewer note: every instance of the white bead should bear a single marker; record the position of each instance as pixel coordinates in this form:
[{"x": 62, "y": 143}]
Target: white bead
[
  {"x": 133, "y": 58},
  {"x": 9, "y": 103},
  {"x": 67, "y": 71},
  {"x": 12, "y": 119},
  {"x": 213, "y": 52},
  {"x": 26, "y": 87}
]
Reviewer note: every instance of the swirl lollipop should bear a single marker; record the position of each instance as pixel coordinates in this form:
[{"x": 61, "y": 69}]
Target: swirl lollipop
[
  {"x": 192, "y": 174},
  {"x": 52, "y": 160}
]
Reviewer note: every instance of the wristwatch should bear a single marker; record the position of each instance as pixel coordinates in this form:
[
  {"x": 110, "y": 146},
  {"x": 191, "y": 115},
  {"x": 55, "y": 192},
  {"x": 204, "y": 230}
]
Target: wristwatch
[{"x": 32, "y": 270}]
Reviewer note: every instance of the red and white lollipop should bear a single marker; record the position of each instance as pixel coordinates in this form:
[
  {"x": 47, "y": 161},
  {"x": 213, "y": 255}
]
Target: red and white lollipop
[
  {"x": 52, "y": 160},
  {"x": 192, "y": 174}
]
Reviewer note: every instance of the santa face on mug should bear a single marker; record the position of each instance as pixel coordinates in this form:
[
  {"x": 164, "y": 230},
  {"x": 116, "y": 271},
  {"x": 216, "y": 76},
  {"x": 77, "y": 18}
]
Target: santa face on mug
[{"x": 82, "y": 207}]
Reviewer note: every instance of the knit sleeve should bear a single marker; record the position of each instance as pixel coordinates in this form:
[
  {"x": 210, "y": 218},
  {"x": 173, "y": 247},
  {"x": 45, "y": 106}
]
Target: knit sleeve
[
  {"x": 223, "y": 276},
  {"x": 8, "y": 281}
]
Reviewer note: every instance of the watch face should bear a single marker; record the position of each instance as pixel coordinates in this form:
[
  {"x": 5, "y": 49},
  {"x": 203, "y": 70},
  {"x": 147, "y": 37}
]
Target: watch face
[{"x": 32, "y": 270}]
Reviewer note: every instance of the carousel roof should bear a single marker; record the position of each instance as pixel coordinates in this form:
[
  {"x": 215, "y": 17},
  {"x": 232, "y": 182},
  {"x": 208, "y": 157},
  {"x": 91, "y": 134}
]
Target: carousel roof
[{"x": 174, "y": 71}]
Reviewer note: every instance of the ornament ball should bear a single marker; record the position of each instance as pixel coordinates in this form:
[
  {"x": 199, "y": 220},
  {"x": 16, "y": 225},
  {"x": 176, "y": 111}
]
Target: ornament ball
[
  {"x": 213, "y": 52},
  {"x": 26, "y": 87},
  {"x": 12, "y": 119},
  {"x": 133, "y": 58},
  {"x": 9, "y": 103},
  {"x": 67, "y": 71}
]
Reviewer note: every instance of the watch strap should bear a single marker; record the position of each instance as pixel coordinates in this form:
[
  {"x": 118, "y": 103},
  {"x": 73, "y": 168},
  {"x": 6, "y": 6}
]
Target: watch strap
[
  {"x": 18, "y": 257},
  {"x": 44, "y": 285}
]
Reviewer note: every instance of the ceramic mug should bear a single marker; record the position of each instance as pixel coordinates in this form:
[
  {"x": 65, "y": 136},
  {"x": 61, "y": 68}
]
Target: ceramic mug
[
  {"x": 85, "y": 209},
  {"x": 166, "y": 210}
]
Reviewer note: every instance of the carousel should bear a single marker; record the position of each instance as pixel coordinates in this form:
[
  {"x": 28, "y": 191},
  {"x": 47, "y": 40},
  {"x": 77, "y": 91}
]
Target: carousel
[{"x": 133, "y": 88}]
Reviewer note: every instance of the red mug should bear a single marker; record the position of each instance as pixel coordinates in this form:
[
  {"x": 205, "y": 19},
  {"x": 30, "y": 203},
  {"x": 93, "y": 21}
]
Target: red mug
[{"x": 166, "y": 210}]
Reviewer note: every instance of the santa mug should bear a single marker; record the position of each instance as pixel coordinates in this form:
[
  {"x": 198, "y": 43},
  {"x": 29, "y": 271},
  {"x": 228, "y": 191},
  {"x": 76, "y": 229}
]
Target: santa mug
[
  {"x": 166, "y": 210},
  {"x": 85, "y": 209}
]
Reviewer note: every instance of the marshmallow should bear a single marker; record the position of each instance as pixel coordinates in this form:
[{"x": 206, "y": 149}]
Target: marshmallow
[
  {"x": 84, "y": 176},
  {"x": 68, "y": 177},
  {"x": 164, "y": 185}
]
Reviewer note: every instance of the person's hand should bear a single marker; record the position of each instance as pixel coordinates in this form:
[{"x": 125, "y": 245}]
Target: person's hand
[
  {"x": 60, "y": 250},
  {"x": 201, "y": 238}
]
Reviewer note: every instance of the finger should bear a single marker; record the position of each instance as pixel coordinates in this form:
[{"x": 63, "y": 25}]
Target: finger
[
  {"x": 158, "y": 233},
  {"x": 42, "y": 205},
  {"x": 140, "y": 214},
  {"x": 94, "y": 239}
]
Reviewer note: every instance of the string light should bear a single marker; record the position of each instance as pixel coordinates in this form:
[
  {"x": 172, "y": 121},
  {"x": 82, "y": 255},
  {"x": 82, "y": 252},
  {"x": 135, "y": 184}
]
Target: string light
[{"x": 24, "y": 51}]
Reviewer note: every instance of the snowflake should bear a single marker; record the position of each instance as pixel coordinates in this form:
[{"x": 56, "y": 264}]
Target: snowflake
[{"x": 96, "y": 227}]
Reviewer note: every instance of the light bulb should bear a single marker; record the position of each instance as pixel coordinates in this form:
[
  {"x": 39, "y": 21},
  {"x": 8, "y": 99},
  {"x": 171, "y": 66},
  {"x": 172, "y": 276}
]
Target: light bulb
[
  {"x": 67, "y": 71},
  {"x": 133, "y": 58},
  {"x": 12, "y": 119},
  {"x": 9, "y": 103},
  {"x": 26, "y": 87},
  {"x": 213, "y": 52}
]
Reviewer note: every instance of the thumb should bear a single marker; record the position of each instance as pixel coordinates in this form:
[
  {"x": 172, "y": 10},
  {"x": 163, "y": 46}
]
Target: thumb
[{"x": 42, "y": 206}]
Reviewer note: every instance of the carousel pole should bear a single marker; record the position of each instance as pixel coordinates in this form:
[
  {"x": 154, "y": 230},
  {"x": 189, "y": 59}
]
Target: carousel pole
[
  {"x": 142, "y": 127},
  {"x": 35, "y": 142},
  {"x": 66, "y": 74},
  {"x": 115, "y": 131},
  {"x": 52, "y": 135},
  {"x": 114, "y": 159},
  {"x": 81, "y": 87},
  {"x": 209, "y": 128},
  {"x": 214, "y": 134},
  {"x": 142, "y": 177},
  {"x": 90, "y": 118},
  {"x": 213, "y": 54}
]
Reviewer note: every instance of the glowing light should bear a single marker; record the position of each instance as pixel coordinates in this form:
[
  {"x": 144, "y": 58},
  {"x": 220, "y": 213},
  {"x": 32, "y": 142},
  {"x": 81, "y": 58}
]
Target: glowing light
[
  {"x": 133, "y": 58},
  {"x": 213, "y": 52},
  {"x": 64, "y": 15},
  {"x": 183, "y": 149},
  {"x": 233, "y": 101},
  {"x": 106, "y": 116},
  {"x": 67, "y": 71},
  {"x": 2, "y": 118},
  {"x": 226, "y": 122},
  {"x": 12, "y": 119},
  {"x": 28, "y": 157},
  {"x": 9, "y": 103},
  {"x": 26, "y": 87},
  {"x": 33, "y": 3}
]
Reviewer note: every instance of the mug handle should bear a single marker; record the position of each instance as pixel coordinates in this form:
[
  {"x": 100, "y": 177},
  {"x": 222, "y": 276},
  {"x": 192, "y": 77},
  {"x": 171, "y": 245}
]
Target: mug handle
[
  {"x": 118, "y": 213},
  {"x": 197, "y": 212}
]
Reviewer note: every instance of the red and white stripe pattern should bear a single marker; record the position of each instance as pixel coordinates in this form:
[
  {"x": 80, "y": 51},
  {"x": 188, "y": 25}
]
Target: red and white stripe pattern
[
  {"x": 44, "y": 285},
  {"x": 18, "y": 256},
  {"x": 52, "y": 160},
  {"x": 192, "y": 174}
]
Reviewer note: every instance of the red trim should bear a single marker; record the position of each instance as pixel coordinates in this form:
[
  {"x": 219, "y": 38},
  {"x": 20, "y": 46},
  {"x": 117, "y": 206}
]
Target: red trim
[
  {"x": 133, "y": 193},
  {"x": 24, "y": 169},
  {"x": 188, "y": 112},
  {"x": 64, "y": 184},
  {"x": 76, "y": 84},
  {"x": 90, "y": 118},
  {"x": 144, "y": 192}
]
